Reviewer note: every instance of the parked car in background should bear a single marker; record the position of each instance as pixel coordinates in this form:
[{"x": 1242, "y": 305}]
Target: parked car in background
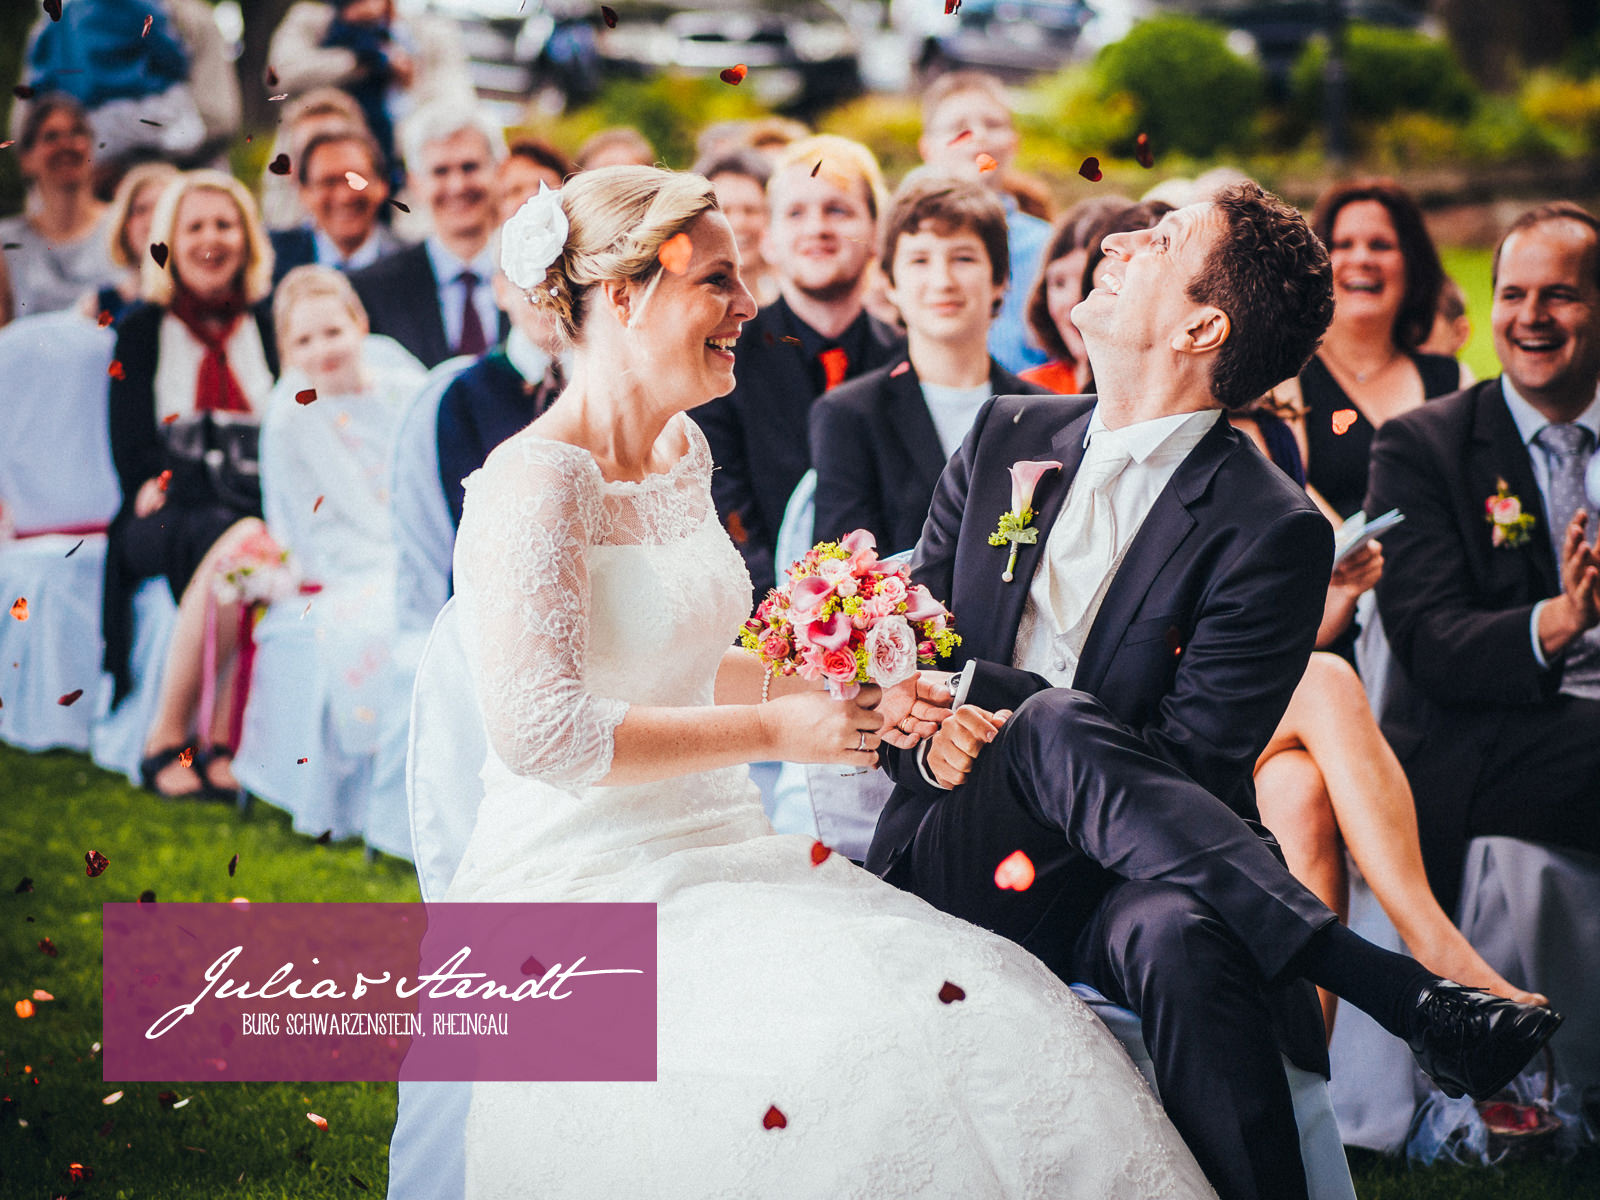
[
  {"x": 1009, "y": 38},
  {"x": 801, "y": 57}
]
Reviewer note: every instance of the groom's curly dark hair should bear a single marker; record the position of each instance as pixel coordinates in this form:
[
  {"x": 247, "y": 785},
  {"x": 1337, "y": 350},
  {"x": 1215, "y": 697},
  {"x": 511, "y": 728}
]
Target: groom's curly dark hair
[{"x": 1270, "y": 273}]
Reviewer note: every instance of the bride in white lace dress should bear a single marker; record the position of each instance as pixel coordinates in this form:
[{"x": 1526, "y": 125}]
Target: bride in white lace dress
[{"x": 599, "y": 596}]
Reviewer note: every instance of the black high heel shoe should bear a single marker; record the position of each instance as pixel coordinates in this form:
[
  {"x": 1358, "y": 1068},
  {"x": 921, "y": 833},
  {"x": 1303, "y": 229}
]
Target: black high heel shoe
[{"x": 152, "y": 765}]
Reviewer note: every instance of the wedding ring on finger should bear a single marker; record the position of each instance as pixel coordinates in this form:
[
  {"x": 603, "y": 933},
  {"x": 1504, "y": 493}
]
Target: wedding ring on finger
[{"x": 861, "y": 739}]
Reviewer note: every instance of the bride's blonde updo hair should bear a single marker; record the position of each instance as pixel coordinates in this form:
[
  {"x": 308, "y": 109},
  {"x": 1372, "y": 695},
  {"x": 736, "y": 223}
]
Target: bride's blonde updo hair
[{"x": 617, "y": 219}]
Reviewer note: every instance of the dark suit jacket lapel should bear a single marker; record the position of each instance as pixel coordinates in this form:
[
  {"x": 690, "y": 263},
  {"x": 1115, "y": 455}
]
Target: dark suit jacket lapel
[
  {"x": 430, "y": 316},
  {"x": 1162, "y": 532},
  {"x": 1498, "y": 452},
  {"x": 1067, "y": 448},
  {"x": 906, "y": 416}
]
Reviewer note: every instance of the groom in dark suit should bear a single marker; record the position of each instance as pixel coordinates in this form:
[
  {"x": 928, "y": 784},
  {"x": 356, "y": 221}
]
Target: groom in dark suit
[
  {"x": 1120, "y": 678},
  {"x": 1494, "y": 703}
]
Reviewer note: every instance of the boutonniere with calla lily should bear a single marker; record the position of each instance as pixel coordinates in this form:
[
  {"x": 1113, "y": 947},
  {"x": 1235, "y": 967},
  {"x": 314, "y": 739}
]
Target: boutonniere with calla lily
[
  {"x": 1509, "y": 526},
  {"x": 1016, "y": 524}
]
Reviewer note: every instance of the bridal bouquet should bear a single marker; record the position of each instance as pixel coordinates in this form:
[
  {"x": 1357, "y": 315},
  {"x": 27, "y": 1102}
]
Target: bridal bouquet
[
  {"x": 258, "y": 571},
  {"x": 845, "y": 616}
]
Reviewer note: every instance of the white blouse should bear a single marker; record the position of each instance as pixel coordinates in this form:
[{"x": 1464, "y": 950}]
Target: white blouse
[{"x": 179, "y": 354}]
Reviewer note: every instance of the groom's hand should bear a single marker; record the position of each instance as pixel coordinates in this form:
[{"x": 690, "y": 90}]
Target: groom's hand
[
  {"x": 961, "y": 737},
  {"x": 913, "y": 709}
]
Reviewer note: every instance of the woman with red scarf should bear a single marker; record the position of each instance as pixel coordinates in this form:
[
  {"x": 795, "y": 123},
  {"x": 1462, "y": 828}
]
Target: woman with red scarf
[{"x": 194, "y": 364}]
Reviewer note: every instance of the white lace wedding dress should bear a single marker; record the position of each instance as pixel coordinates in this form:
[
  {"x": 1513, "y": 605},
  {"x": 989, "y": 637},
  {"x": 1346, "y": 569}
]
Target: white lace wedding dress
[{"x": 812, "y": 989}]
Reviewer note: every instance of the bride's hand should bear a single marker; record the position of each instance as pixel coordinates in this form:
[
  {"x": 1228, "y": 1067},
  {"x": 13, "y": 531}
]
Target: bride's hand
[
  {"x": 813, "y": 727},
  {"x": 914, "y": 708}
]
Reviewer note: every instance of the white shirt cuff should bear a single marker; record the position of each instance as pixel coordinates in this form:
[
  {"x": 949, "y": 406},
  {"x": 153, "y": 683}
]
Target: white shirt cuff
[
  {"x": 1533, "y": 633},
  {"x": 958, "y": 695},
  {"x": 922, "y": 766}
]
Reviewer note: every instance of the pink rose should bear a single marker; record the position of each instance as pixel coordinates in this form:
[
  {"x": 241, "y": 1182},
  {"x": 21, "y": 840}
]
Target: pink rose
[
  {"x": 775, "y": 648},
  {"x": 839, "y": 665},
  {"x": 810, "y": 662},
  {"x": 891, "y": 651},
  {"x": 1505, "y": 510},
  {"x": 891, "y": 588}
]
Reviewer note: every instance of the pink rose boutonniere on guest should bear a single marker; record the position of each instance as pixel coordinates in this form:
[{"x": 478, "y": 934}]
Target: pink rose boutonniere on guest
[
  {"x": 1508, "y": 525},
  {"x": 1016, "y": 524}
]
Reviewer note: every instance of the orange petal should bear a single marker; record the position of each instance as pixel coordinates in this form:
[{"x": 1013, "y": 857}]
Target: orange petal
[
  {"x": 24, "y": 1008},
  {"x": 320, "y": 1122},
  {"x": 987, "y": 163},
  {"x": 675, "y": 254},
  {"x": 19, "y": 609},
  {"x": 1344, "y": 418},
  {"x": 819, "y": 854},
  {"x": 1015, "y": 872}
]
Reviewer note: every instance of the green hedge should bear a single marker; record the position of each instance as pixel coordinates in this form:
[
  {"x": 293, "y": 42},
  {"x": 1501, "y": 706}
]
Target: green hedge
[{"x": 1387, "y": 71}]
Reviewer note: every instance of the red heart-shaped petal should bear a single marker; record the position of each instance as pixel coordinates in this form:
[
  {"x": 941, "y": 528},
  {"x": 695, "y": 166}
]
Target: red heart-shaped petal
[
  {"x": 1091, "y": 169},
  {"x": 1142, "y": 151},
  {"x": 609, "y": 16},
  {"x": 305, "y": 396},
  {"x": 774, "y": 1119},
  {"x": 115, "y": 369},
  {"x": 71, "y": 698},
  {"x": 279, "y": 165},
  {"x": 819, "y": 854},
  {"x": 735, "y": 75},
  {"x": 158, "y": 251},
  {"x": 53, "y": 7},
  {"x": 950, "y": 993},
  {"x": 97, "y": 863},
  {"x": 1015, "y": 872}
]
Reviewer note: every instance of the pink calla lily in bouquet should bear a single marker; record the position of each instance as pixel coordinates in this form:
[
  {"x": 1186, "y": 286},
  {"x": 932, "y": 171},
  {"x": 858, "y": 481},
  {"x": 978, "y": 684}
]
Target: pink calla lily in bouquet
[{"x": 846, "y": 617}]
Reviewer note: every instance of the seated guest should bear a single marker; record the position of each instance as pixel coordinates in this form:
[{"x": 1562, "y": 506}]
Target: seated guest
[
  {"x": 434, "y": 299},
  {"x": 620, "y": 146},
  {"x": 1386, "y": 279},
  {"x": 1452, "y": 328},
  {"x": 58, "y": 248},
  {"x": 320, "y": 110},
  {"x": 498, "y": 394},
  {"x": 129, "y": 226},
  {"x": 343, "y": 186},
  {"x": 820, "y": 241},
  {"x": 1058, "y": 287},
  {"x": 967, "y": 131},
  {"x": 1491, "y": 599},
  {"x": 528, "y": 163},
  {"x": 739, "y": 176},
  {"x": 880, "y": 442},
  {"x": 197, "y": 364}
]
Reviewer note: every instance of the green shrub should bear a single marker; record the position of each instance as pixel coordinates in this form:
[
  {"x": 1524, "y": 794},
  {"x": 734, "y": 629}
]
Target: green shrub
[
  {"x": 669, "y": 109},
  {"x": 887, "y": 125},
  {"x": 1190, "y": 92},
  {"x": 1063, "y": 116},
  {"x": 1387, "y": 71},
  {"x": 1569, "y": 108}
]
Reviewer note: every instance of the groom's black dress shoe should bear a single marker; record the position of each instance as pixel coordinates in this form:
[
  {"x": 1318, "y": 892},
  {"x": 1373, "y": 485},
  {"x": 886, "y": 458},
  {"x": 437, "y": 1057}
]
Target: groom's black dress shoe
[{"x": 1473, "y": 1042}]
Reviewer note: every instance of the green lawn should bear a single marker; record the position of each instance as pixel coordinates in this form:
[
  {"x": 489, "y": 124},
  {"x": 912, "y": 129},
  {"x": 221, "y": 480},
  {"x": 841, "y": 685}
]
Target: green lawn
[{"x": 253, "y": 1140}]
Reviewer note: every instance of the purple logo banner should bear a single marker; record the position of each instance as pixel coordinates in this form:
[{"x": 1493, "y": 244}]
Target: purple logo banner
[{"x": 380, "y": 992}]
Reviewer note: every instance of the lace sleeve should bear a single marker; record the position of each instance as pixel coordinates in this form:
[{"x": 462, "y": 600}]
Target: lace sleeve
[{"x": 522, "y": 578}]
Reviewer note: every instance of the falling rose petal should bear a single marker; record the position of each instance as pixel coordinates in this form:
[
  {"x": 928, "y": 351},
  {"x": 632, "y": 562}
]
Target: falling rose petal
[
  {"x": 41, "y": 995},
  {"x": 162, "y": 480},
  {"x": 318, "y": 504},
  {"x": 24, "y": 1008},
  {"x": 158, "y": 251},
  {"x": 532, "y": 966},
  {"x": 167, "y": 1099},
  {"x": 184, "y": 1103},
  {"x": 111, "y": 1099},
  {"x": 277, "y": 97},
  {"x": 675, "y": 253},
  {"x": 169, "y": 418},
  {"x": 819, "y": 854},
  {"x": 961, "y": 137},
  {"x": 305, "y": 396},
  {"x": 355, "y": 1179},
  {"x": 1174, "y": 640},
  {"x": 356, "y": 180},
  {"x": 816, "y": 168},
  {"x": 115, "y": 370},
  {"x": 272, "y": 78},
  {"x": 53, "y": 7},
  {"x": 734, "y": 75},
  {"x": 320, "y": 1122},
  {"x": 736, "y": 531},
  {"x": 609, "y": 16},
  {"x": 149, "y": 20},
  {"x": 104, "y": 319},
  {"x": 774, "y": 1118},
  {"x": 22, "y": 92},
  {"x": 952, "y": 7},
  {"x": 48, "y": 947},
  {"x": 398, "y": 205},
  {"x": 279, "y": 165},
  {"x": 186, "y": 756},
  {"x": 7, "y": 145},
  {"x": 789, "y": 339},
  {"x": 19, "y": 608},
  {"x": 79, "y": 1173},
  {"x": 97, "y": 864},
  {"x": 324, "y": 837},
  {"x": 300, "y": 762},
  {"x": 1015, "y": 872},
  {"x": 1142, "y": 151},
  {"x": 233, "y": 864},
  {"x": 950, "y": 993},
  {"x": 1343, "y": 418},
  {"x": 25, "y": 886},
  {"x": 71, "y": 698},
  {"x": 1091, "y": 169},
  {"x": 148, "y": 121},
  {"x": 986, "y": 163}
]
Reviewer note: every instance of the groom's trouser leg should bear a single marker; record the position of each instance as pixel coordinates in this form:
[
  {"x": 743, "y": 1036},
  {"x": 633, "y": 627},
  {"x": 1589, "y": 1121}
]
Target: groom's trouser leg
[{"x": 1159, "y": 950}]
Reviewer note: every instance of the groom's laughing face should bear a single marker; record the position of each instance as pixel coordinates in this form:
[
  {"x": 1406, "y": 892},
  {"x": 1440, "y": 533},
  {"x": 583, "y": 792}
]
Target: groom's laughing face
[{"x": 1140, "y": 300}]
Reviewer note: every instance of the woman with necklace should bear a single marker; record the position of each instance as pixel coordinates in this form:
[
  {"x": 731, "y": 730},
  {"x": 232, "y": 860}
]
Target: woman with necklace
[{"x": 1386, "y": 280}]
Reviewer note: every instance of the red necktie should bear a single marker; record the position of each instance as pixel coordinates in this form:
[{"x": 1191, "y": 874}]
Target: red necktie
[
  {"x": 835, "y": 367},
  {"x": 472, "y": 340}
]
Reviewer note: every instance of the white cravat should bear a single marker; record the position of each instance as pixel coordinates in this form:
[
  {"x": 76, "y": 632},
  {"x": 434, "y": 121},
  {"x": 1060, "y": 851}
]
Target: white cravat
[{"x": 1123, "y": 472}]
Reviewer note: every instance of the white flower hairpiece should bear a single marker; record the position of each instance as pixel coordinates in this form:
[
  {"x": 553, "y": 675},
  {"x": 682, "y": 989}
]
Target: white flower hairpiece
[{"x": 533, "y": 239}]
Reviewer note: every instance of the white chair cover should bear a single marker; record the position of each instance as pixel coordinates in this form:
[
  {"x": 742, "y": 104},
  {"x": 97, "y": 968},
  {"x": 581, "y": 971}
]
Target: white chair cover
[
  {"x": 116, "y": 740},
  {"x": 1531, "y": 911},
  {"x": 55, "y": 473},
  {"x": 1327, "y": 1171},
  {"x": 324, "y": 679}
]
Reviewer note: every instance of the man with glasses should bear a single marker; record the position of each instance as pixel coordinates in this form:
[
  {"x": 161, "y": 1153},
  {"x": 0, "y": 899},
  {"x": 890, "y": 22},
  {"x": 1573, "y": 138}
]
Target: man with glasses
[{"x": 343, "y": 184}]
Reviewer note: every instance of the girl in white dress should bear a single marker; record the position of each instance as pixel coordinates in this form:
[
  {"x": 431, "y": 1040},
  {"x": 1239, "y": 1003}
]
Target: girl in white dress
[{"x": 599, "y": 597}]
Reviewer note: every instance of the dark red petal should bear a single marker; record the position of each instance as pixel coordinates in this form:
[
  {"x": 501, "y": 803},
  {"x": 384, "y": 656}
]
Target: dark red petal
[
  {"x": 279, "y": 165},
  {"x": 950, "y": 993},
  {"x": 774, "y": 1118},
  {"x": 609, "y": 16},
  {"x": 1090, "y": 169},
  {"x": 735, "y": 75}
]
